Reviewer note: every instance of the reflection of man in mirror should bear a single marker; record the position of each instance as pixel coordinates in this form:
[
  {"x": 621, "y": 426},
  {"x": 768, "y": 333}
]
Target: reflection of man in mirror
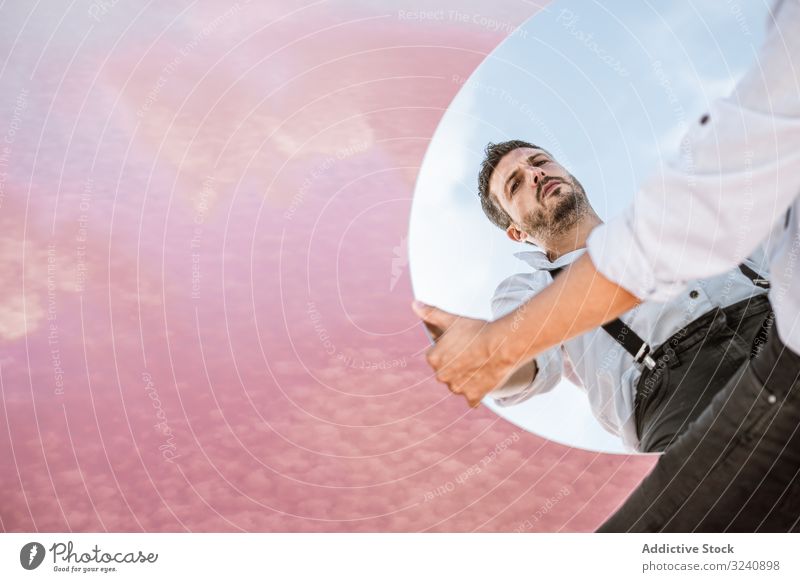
[
  {"x": 737, "y": 466},
  {"x": 651, "y": 372}
]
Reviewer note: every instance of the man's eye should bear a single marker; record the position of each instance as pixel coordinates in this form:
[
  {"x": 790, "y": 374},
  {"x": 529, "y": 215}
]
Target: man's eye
[
  {"x": 514, "y": 185},
  {"x": 540, "y": 162}
]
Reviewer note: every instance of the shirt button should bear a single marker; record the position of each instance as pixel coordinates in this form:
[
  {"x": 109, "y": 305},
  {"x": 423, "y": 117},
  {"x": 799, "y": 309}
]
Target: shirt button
[
  {"x": 772, "y": 399},
  {"x": 704, "y": 119},
  {"x": 694, "y": 294}
]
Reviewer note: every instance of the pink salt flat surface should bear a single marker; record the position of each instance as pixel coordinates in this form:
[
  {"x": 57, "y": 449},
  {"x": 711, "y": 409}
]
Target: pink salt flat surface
[{"x": 204, "y": 317}]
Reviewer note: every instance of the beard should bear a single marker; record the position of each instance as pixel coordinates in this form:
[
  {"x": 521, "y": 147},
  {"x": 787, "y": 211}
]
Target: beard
[{"x": 564, "y": 212}]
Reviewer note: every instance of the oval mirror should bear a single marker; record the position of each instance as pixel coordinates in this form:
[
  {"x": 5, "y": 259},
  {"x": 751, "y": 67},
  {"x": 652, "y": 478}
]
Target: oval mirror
[{"x": 609, "y": 90}]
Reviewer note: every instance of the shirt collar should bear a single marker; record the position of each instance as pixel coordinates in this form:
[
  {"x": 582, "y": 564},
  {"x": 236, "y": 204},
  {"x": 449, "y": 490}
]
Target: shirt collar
[{"x": 538, "y": 259}]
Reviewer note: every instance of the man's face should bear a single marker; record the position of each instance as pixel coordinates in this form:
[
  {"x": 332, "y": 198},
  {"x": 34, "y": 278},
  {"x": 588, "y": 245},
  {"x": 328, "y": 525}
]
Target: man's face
[{"x": 543, "y": 199}]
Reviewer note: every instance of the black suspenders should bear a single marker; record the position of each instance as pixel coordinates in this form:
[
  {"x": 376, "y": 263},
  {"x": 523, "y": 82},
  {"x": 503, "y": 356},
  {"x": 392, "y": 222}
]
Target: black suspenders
[
  {"x": 636, "y": 346},
  {"x": 625, "y": 336},
  {"x": 757, "y": 280}
]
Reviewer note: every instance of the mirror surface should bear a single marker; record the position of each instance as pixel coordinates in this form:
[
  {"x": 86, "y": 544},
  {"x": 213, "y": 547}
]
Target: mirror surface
[{"x": 609, "y": 90}]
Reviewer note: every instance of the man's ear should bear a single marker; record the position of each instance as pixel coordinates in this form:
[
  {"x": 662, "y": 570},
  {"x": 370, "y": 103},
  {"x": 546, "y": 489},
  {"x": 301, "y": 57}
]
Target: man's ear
[{"x": 516, "y": 234}]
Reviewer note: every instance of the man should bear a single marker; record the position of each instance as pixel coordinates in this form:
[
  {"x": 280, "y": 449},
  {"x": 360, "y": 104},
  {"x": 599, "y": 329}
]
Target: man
[
  {"x": 737, "y": 467},
  {"x": 692, "y": 343}
]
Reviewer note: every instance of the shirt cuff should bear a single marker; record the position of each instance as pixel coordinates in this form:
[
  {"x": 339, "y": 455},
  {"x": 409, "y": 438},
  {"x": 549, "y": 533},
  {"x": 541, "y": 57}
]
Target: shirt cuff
[
  {"x": 522, "y": 384},
  {"x": 618, "y": 255}
]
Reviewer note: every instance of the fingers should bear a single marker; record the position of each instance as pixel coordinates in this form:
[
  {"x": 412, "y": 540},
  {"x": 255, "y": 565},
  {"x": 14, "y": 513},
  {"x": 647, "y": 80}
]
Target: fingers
[
  {"x": 456, "y": 385},
  {"x": 432, "y": 356},
  {"x": 472, "y": 400},
  {"x": 439, "y": 357},
  {"x": 457, "y": 389}
]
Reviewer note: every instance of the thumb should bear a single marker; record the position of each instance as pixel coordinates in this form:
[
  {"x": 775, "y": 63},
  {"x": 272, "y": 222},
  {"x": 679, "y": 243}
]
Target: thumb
[{"x": 433, "y": 315}]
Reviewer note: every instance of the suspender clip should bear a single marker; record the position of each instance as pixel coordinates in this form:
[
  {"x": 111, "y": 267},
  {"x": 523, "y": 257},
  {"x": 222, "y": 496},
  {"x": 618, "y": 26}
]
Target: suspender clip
[{"x": 643, "y": 357}]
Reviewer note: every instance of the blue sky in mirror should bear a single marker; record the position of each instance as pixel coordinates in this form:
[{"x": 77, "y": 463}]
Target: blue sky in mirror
[{"x": 608, "y": 88}]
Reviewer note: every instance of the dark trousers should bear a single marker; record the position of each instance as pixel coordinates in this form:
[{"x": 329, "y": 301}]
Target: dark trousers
[
  {"x": 737, "y": 466},
  {"x": 691, "y": 367}
]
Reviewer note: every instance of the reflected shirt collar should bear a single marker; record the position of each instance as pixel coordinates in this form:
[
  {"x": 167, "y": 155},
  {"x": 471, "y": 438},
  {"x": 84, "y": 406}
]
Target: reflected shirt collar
[{"x": 538, "y": 259}]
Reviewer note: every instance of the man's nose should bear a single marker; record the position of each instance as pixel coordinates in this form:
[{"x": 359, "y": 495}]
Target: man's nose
[{"x": 536, "y": 175}]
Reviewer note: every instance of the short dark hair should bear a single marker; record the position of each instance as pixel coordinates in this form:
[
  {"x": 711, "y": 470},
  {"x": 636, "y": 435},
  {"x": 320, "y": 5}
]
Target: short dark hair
[{"x": 493, "y": 154}]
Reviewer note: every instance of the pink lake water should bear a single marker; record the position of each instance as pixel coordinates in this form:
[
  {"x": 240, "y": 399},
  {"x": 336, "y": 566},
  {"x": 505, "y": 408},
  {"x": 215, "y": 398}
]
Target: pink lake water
[{"x": 204, "y": 317}]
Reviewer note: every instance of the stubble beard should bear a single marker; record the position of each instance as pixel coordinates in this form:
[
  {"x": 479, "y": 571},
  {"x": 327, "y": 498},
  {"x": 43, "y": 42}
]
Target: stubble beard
[{"x": 544, "y": 224}]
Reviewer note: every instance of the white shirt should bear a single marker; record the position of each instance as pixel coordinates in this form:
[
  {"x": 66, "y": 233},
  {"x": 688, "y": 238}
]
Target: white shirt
[
  {"x": 594, "y": 360},
  {"x": 735, "y": 186}
]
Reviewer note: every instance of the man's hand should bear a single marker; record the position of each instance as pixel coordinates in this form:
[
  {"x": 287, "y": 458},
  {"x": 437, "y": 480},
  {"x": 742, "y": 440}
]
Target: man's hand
[
  {"x": 468, "y": 356},
  {"x": 473, "y": 356}
]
